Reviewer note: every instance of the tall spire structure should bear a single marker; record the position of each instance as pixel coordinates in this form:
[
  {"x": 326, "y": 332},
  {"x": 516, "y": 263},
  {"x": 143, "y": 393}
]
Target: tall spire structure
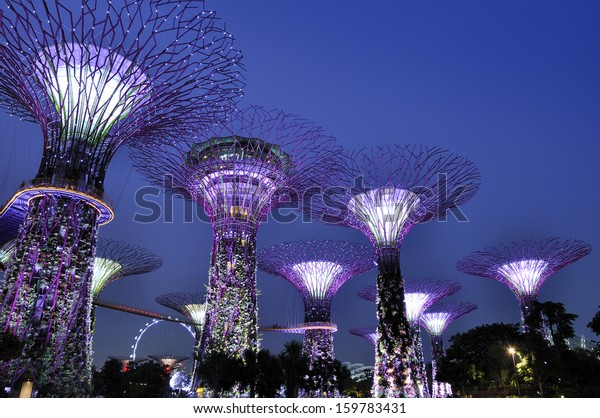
[
  {"x": 524, "y": 265},
  {"x": 239, "y": 171},
  {"x": 317, "y": 269},
  {"x": 419, "y": 295},
  {"x": 94, "y": 76},
  {"x": 435, "y": 320},
  {"x": 191, "y": 305},
  {"x": 389, "y": 190}
]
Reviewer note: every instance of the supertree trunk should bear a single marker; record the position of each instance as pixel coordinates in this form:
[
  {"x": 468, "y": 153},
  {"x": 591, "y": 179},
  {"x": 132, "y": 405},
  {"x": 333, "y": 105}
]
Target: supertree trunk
[
  {"x": 437, "y": 352},
  {"x": 418, "y": 364},
  {"x": 393, "y": 353},
  {"x": 318, "y": 347},
  {"x": 195, "y": 380},
  {"x": 231, "y": 315},
  {"x": 46, "y": 298}
]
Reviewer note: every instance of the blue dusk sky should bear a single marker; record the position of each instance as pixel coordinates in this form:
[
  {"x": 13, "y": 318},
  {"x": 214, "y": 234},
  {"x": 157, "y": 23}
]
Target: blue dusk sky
[{"x": 514, "y": 86}]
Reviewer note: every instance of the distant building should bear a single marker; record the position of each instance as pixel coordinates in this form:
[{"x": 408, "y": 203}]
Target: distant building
[{"x": 359, "y": 372}]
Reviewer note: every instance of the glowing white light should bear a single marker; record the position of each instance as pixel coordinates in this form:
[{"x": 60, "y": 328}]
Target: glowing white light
[
  {"x": 385, "y": 211},
  {"x": 524, "y": 276},
  {"x": 436, "y": 322},
  {"x": 104, "y": 271},
  {"x": 197, "y": 312},
  {"x": 415, "y": 305},
  {"x": 317, "y": 276},
  {"x": 91, "y": 88}
]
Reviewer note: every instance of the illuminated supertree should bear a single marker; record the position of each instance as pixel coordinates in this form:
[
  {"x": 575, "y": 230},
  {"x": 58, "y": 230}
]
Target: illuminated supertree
[
  {"x": 93, "y": 75},
  {"x": 192, "y": 305},
  {"x": 396, "y": 187},
  {"x": 116, "y": 259},
  {"x": 419, "y": 294},
  {"x": 524, "y": 265},
  {"x": 317, "y": 269},
  {"x": 369, "y": 334},
  {"x": 435, "y": 320},
  {"x": 239, "y": 172}
]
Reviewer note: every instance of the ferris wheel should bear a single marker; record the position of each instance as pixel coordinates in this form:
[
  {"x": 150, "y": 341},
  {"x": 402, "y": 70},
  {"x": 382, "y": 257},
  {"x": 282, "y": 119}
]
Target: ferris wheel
[{"x": 174, "y": 340}]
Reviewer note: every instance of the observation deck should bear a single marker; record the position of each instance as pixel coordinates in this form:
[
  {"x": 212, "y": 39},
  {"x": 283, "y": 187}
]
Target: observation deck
[{"x": 13, "y": 213}]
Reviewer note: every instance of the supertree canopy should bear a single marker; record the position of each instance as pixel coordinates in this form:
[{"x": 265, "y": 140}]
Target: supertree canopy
[
  {"x": 524, "y": 265},
  {"x": 116, "y": 259},
  {"x": 94, "y": 76},
  {"x": 389, "y": 190},
  {"x": 317, "y": 269},
  {"x": 369, "y": 334},
  {"x": 419, "y": 295},
  {"x": 239, "y": 171},
  {"x": 435, "y": 320},
  {"x": 192, "y": 305}
]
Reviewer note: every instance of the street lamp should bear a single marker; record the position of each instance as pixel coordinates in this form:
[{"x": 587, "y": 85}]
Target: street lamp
[{"x": 512, "y": 352}]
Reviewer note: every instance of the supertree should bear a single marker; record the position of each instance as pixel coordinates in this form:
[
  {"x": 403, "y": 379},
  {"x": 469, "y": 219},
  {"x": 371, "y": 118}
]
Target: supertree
[
  {"x": 369, "y": 334},
  {"x": 524, "y": 266},
  {"x": 192, "y": 305},
  {"x": 317, "y": 269},
  {"x": 435, "y": 320},
  {"x": 239, "y": 171},
  {"x": 394, "y": 188},
  {"x": 116, "y": 259},
  {"x": 419, "y": 294},
  {"x": 94, "y": 76}
]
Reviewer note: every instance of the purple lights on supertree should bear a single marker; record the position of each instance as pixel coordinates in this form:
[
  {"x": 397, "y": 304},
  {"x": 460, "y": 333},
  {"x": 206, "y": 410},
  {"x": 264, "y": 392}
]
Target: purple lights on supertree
[
  {"x": 94, "y": 76},
  {"x": 396, "y": 187},
  {"x": 524, "y": 265},
  {"x": 239, "y": 171},
  {"x": 435, "y": 320},
  {"x": 192, "y": 305},
  {"x": 419, "y": 295},
  {"x": 317, "y": 269}
]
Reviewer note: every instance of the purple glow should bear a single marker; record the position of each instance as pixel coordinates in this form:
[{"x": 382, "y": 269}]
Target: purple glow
[
  {"x": 317, "y": 276},
  {"x": 524, "y": 265},
  {"x": 524, "y": 276},
  {"x": 436, "y": 322},
  {"x": 415, "y": 304},
  {"x": 108, "y": 85},
  {"x": 385, "y": 212}
]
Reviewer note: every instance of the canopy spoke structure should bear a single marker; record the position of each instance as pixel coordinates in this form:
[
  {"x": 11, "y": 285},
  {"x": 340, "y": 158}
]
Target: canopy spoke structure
[
  {"x": 317, "y": 269},
  {"x": 386, "y": 191}
]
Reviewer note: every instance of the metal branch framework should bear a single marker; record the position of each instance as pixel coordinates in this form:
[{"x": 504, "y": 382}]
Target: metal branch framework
[
  {"x": 116, "y": 259},
  {"x": 317, "y": 269},
  {"x": 239, "y": 171},
  {"x": 387, "y": 191},
  {"x": 94, "y": 75},
  {"x": 524, "y": 265},
  {"x": 435, "y": 320},
  {"x": 369, "y": 334}
]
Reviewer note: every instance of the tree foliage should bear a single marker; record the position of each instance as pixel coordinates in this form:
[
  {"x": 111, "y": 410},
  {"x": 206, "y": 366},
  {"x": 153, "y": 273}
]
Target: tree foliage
[{"x": 478, "y": 362}]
